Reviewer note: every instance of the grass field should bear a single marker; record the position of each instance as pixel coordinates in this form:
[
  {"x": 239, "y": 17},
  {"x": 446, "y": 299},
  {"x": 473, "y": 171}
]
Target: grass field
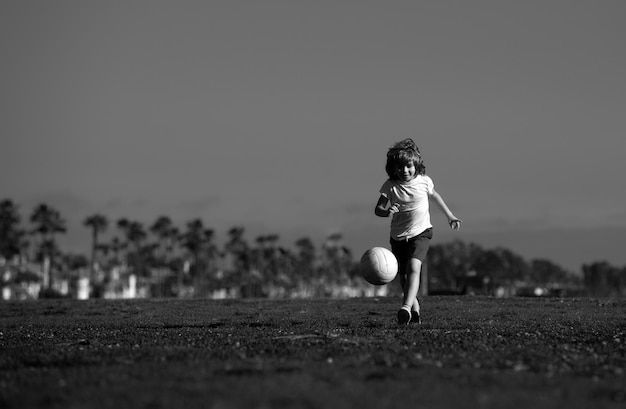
[{"x": 469, "y": 352}]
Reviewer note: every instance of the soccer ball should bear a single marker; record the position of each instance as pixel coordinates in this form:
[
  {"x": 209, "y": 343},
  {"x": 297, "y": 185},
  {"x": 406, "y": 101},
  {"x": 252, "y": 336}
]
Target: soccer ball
[{"x": 378, "y": 266}]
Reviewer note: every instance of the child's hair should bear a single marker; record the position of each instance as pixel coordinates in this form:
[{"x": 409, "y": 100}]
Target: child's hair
[{"x": 401, "y": 153}]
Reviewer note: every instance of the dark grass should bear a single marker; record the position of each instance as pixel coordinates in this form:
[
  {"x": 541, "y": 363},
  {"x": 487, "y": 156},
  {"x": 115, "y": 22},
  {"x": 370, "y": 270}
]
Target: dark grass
[{"x": 469, "y": 352}]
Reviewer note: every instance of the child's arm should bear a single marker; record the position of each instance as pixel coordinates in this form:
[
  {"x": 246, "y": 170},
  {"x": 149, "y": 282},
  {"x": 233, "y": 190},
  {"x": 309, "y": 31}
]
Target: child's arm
[
  {"x": 454, "y": 222},
  {"x": 381, "y": 209}
]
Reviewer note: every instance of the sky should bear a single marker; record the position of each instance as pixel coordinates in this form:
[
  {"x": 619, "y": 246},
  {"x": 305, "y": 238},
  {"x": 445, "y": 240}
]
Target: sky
[{"x": 277, "y": 116}]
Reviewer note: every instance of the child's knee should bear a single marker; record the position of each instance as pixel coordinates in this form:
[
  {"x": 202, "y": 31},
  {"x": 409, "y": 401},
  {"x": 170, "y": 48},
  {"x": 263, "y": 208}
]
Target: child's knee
[{"x": 415, "y": 264}]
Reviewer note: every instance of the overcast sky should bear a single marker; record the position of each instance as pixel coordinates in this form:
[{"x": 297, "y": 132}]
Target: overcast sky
[{"x": 277, "y": 115}]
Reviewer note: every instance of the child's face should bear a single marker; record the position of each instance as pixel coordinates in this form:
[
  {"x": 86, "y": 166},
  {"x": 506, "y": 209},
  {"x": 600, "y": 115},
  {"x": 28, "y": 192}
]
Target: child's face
[{"x": 406, "y": 171}]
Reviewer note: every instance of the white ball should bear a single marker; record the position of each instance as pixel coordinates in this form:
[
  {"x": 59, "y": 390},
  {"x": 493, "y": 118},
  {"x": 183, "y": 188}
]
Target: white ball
[{"x": 378, "y": 266}]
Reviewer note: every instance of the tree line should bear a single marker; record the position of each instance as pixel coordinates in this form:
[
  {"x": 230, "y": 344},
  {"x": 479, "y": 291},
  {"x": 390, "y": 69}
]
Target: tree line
[
  {"x": 174, "y": 258},
  {"x": 188, "y": 257}
]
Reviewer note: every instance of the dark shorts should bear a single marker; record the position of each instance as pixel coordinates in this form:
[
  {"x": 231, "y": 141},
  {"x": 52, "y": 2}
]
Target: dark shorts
[{"x": 415, "y": 247}]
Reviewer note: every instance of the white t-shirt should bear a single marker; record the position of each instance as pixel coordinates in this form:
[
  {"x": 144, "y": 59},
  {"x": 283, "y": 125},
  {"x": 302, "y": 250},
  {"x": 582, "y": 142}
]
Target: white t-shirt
[{"x": 414, "y": 216}]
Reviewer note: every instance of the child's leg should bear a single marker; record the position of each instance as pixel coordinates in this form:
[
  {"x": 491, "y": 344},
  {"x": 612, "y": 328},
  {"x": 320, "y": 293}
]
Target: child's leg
[
  {"x": 412, "y": 285},
  {"x": 414, "y": 272},
  {"x": 409, "y": 268},
  {"x": 404, "y": 269},
  {"x": 402, "y": 273},
  {"x": 410, "y": 306}
]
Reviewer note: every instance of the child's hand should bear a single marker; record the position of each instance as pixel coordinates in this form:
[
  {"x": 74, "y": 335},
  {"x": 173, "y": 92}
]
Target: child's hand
[
  {"x": 394, "y": 208},
  {"x": 455, "y": 224}
]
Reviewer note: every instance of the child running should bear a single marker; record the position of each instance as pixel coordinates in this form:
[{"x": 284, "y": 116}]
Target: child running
[{"x": 405, "y": 196}]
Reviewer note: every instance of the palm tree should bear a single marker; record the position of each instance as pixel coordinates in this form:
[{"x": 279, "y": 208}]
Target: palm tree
[
  {"x": 24, "y": 245},
  {"x": 305, "y": 266},
  {"x": 267, "y": 255},
  {"x": 115, "y": 246},
  {"x": 162, "y": 228},
  {"x": 197, "y": 240},
  {"x": 135, "y": 235},
  {"x": 121, "y": 243},
  {"x": 48, "y": 222},
  {"x": 193, "y": 240},
  {"x": 210, "y": 250},
  {"x": 258, "y": 255},
  {"x": 10, "y": 234},
  {"x": 173, "y": 236},
  {"x": 238, "y": 248},
  {"x": 98, "y": 224}
]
